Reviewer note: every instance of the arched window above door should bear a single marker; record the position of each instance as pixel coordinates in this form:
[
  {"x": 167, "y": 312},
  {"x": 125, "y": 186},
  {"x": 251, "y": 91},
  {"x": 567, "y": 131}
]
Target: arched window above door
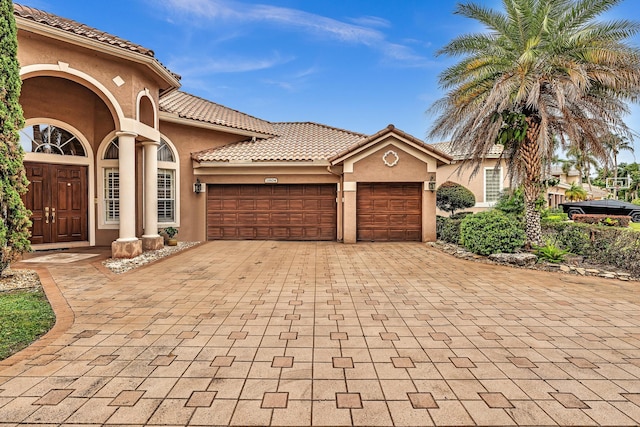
[{"x": 46, "y": 138}]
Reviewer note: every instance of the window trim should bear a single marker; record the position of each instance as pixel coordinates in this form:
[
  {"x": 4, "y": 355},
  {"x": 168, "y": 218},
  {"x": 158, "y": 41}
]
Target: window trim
[
  {"x": 102, "y": 165},
  {"x": 485, "y": 203},
  {"x": 176, "y": 168}
]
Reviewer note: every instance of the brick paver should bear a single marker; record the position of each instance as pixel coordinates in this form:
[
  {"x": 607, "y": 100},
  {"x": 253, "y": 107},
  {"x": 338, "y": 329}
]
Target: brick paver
[{"x": 292, "y": 333}]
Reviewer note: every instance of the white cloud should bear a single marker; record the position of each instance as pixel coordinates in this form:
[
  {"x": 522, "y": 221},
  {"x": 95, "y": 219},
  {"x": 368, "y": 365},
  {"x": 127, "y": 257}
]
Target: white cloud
[
  {"x": 190, "y": 67},
  {"x": 362, "y": 31}
]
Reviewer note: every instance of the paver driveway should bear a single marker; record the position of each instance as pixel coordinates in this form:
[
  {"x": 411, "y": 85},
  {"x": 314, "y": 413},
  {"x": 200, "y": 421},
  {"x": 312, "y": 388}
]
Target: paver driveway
[{"x": 330, "y": 334}]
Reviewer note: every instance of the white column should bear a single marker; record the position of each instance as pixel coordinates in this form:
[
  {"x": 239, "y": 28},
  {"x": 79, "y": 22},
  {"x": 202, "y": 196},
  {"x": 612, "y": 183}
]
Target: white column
[
  {"x": 150, "y": 188},
  {"x": 127, "y": 171}
]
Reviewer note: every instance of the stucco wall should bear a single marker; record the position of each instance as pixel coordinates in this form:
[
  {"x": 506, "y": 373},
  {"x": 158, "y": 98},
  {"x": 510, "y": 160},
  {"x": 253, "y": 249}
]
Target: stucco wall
[
  {"x": 462, "y": 173},
  {"x": 36, "y": 49}
]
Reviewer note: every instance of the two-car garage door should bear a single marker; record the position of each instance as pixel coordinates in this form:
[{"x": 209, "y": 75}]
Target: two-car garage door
[
  {"x": 384, "y": 212},
  {"x": 272, "y": 212}
]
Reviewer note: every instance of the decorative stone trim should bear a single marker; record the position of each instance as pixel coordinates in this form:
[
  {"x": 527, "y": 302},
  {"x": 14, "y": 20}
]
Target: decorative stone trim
[{"x": 386, "y": 160}]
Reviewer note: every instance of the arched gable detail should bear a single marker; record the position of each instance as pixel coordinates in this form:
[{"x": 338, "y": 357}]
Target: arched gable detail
[
  {"x": 63, "y": 70},
  {"x": 146, "y": 109}
]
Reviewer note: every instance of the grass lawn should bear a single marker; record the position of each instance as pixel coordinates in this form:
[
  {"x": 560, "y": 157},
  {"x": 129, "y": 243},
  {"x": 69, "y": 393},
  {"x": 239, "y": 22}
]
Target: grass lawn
[
  {"x": 635, "y": 225},
  {"x": 24, "y": 316}
]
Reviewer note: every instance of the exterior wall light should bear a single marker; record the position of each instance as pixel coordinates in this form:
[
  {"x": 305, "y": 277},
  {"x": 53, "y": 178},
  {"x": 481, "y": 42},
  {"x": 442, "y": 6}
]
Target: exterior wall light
[
  {"x": 432, "y": 184},
  {"x": 197, "y": 186}
]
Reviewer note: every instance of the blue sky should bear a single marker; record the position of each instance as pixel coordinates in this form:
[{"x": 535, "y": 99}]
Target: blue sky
[{"x": 353, "y": 64}]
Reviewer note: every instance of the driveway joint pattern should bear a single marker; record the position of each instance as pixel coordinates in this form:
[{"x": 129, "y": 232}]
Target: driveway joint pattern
[{"x": 321, "y": 333}]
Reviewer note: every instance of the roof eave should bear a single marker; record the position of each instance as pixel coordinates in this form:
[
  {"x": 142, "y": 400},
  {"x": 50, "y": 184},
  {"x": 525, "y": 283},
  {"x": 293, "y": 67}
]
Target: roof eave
[
  {"x": 257, "y": 164},
  {"x": 175, "y": 118},
  {"x": 82, "y": 41},
  {"x": 373, "y": 139}
]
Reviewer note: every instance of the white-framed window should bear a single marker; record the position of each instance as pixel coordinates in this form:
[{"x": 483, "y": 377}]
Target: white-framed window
[
  {"x": 111, "y": 195},
  {"x": 168, "y": 185},
  {"x": 47, "y": 138},
  {"x": 492, "y": 184},
  {"x": 166, "y": 196}
]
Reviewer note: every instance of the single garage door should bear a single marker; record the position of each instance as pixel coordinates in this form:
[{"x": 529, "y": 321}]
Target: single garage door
[
  {"x": 389, "y": 212},
  {"x": 272, "y": 212}
]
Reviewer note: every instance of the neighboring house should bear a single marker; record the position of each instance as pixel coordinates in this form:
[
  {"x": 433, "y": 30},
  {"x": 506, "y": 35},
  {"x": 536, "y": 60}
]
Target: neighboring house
[
  {"x": 555, "y": 194},
  {"x": 115, "y": 151},
  {"x": 490, "y": 180}
]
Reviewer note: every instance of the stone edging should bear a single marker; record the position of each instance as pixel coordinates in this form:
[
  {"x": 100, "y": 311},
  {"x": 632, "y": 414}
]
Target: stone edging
[{"x": 461, "y": 253}]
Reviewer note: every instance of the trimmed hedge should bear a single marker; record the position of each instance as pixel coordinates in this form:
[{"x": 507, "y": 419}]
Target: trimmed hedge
[
  {"x": 491, "y": 232},
  {"x": 448, "y": 229},
  {"x": 617, "y": 247},
  {"x": 610, "y": 220}
]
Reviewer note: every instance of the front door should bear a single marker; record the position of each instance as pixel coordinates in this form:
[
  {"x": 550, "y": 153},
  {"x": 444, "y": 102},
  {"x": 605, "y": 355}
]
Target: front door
[{"x": 57, "y": 198}]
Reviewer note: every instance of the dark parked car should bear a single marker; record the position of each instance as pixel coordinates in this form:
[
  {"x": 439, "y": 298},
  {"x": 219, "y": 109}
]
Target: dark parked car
[{"x": 602, "y": 207}]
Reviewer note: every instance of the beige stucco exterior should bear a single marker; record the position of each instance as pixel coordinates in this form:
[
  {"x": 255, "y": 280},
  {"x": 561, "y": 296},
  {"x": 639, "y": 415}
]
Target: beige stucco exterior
[
  {"x": 462, "y": 172},
  {"x": 99, "y": 92}
]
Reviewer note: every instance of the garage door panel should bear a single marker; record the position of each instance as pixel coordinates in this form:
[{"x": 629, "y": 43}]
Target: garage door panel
[
  {"x": 280, "y": 204},
  {"x": 389, "y": 211},
  {"x": 228, "y": 205},
  {"x": 280, "y": 212}
]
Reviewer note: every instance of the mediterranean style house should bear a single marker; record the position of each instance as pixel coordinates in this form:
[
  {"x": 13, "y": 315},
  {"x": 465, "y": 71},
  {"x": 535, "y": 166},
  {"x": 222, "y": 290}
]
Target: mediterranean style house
[{"x": 115, "y": 152}]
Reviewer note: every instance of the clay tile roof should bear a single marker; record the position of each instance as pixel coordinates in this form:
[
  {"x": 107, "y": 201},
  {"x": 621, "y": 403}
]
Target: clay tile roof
[
  {"x": 295, "y": 142},
  {"x": 77, "y": 28},
  {"x": 460, "y": 154},
  {"x": 192, "y": 107}
]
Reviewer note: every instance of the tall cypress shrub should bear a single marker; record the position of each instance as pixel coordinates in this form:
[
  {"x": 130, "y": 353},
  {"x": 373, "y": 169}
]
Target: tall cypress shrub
[{"x": 14, "y": 217}]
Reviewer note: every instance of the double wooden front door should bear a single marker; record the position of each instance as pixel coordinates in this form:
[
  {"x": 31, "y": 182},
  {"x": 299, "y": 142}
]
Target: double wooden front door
[{"x": 57, "y": 198}]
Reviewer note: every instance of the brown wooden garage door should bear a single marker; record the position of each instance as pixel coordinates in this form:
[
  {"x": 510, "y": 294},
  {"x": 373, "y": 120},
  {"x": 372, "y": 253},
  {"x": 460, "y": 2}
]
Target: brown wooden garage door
[
  {"x": 389, "y": 212},
  {"x": 271, "y": 212}
]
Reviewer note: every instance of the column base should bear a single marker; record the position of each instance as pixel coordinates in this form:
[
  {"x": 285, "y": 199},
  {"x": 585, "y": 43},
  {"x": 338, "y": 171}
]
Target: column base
[
  {"x": 130, "y": 249},
  {"x": 152, "y": 243}
]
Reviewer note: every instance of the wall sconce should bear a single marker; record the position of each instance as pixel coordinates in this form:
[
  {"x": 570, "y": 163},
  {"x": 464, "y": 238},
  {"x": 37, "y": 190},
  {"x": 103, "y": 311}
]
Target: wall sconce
[
  {"x": 432, "y": 184},
  {"x": 197, "y": 186}
]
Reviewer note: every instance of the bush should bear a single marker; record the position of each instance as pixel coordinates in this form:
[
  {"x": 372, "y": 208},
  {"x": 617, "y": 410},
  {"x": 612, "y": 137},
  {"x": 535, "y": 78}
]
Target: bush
[
  {"x": 448, "y": 229},
  {"x": 512, "y": 202},
  {"x": 570, "y": 236},
  {"x": 609, "y": 220},
  {"x": 636, "y": 202},
  {"x": 491, "y": 232},
  {"x": 460, "y": 215},
  {"x": 550, "y": 252},
  {"x": 617, "y": 247},
  {"x": 452, "y": 197}
]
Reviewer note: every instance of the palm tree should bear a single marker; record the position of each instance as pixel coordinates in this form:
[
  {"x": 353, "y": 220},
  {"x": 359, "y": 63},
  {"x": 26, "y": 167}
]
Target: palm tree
[
  {"x": 575, "y": 193},
  {"x": 545, "y": 69},
  {"x": 582, "y": 160},
  {"x": 614, "y": 144}
]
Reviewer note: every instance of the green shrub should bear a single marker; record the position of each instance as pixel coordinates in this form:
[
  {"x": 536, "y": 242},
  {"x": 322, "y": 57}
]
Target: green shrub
[
  {"x": 617, "y": 247},
  {"x": 636, "y": 202},
  {"x": 570, "y": 236},
  {"x": 550, "y": 252},
  {"x": 608, "y": 220},
  {"x": 460, "y": 215},
  {"x": 451, "y": 197},
  {"x": 491, "y": 232},
  {"x": 449, "y": 230}
]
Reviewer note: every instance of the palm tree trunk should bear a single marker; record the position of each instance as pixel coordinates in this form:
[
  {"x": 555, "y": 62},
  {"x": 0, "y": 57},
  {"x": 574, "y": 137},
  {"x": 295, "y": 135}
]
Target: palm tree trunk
[{"x": 530, "y": 157}]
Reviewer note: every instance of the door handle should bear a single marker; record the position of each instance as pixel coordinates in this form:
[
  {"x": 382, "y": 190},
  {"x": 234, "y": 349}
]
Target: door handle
[
  {"x": 46, "y": 215},
  {"x": 53, "y": 215}
]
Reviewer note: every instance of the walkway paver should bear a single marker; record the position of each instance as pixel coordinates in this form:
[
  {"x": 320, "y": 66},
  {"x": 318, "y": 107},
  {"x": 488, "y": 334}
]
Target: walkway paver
[{"x": 291, "y": 333}]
